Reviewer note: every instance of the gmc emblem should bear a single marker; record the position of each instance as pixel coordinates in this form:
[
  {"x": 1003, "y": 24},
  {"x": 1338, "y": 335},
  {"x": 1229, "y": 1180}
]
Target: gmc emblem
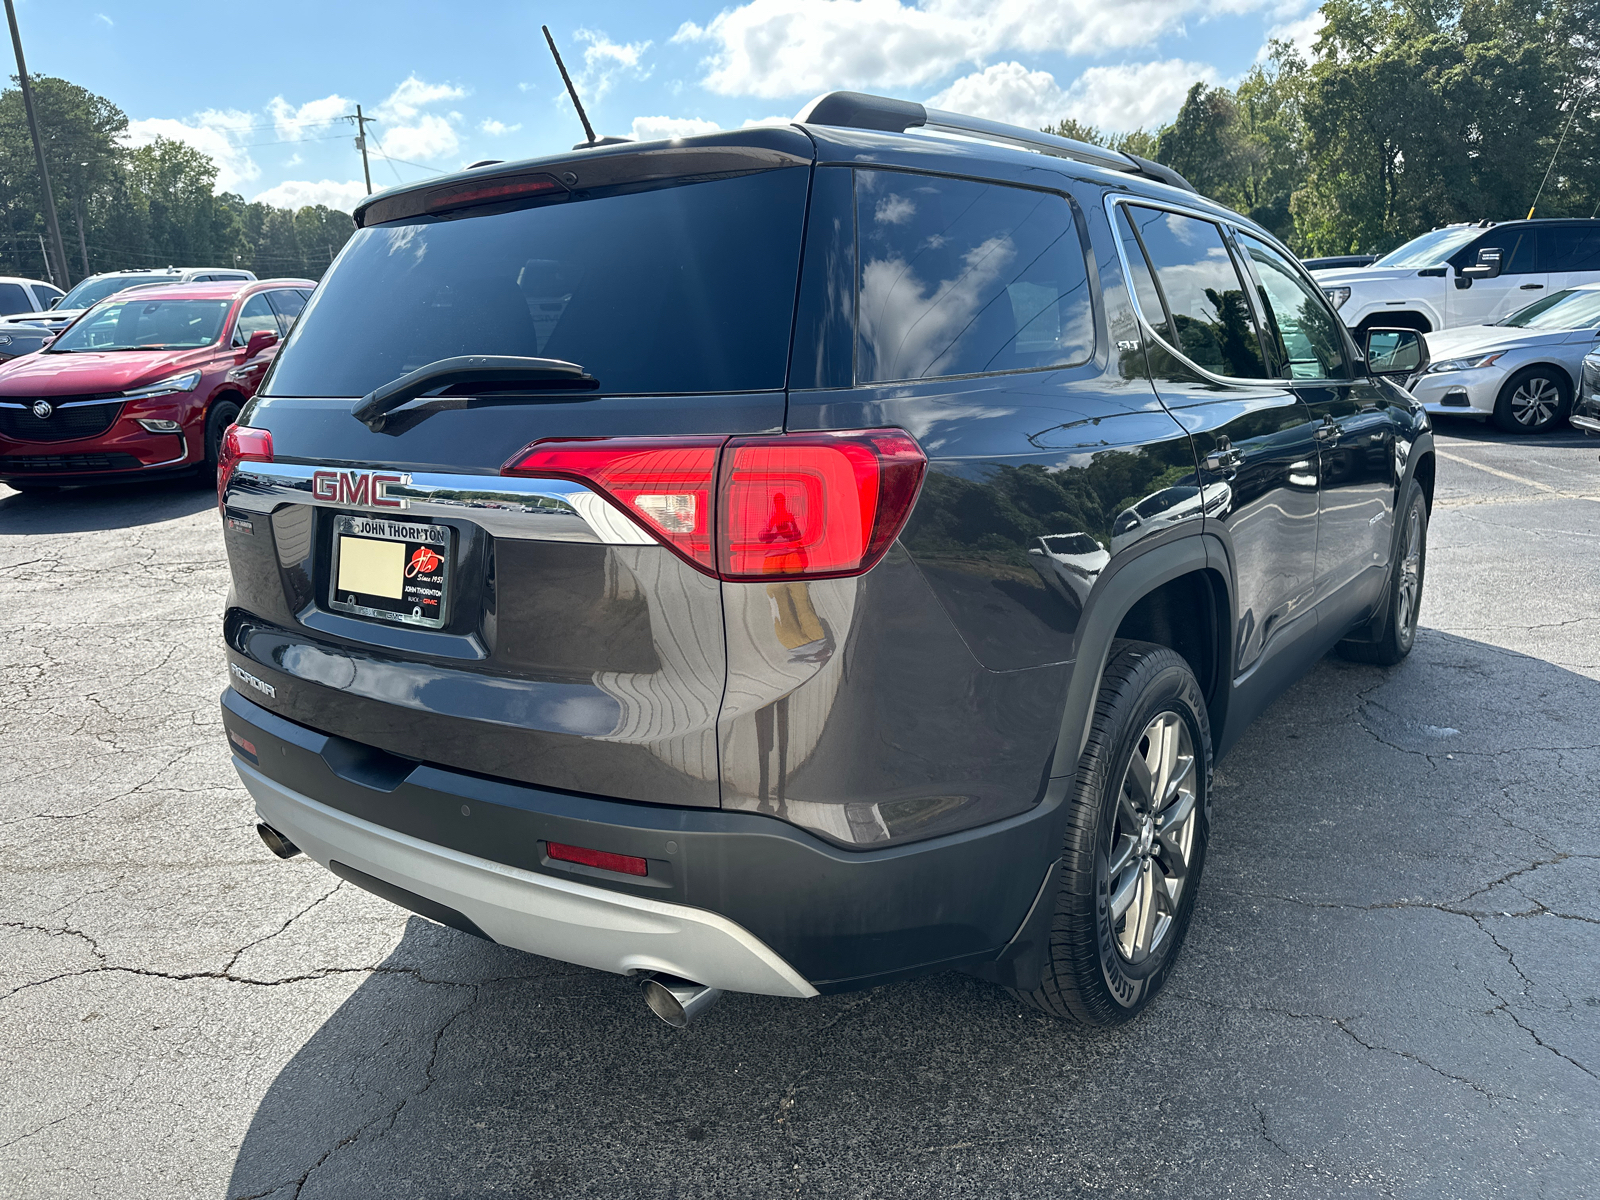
[{"x": 363, "y": 489}]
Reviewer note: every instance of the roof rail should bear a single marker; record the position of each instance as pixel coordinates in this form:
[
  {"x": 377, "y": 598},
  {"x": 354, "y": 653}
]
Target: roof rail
[{"x": 857, "y": 110}]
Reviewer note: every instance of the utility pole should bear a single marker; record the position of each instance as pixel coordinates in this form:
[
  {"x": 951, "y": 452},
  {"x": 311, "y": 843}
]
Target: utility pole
[
  {"x": 38, "y": 148},
  {"x": 361, "y": 139}
]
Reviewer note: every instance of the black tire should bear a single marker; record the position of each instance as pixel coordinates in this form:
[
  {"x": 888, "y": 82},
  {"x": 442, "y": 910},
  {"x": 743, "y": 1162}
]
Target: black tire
[
  {"x": 1091, "y": 976},
  {"x": 1388, "y": 638},
  {"x": 1535, "y": 400},
  {"x": 224, "y": 412}
]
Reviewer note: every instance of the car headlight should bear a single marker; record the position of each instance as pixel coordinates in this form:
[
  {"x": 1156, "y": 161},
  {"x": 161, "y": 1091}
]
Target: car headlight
[
  {"x": 187, "y": 382},
  {"x": 1336, "y": 296},
  {"x": 1466, "y": 364}
]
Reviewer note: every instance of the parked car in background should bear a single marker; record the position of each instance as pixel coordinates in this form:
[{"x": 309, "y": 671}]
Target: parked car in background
[
  {"x": 144, "y": 383},
  {"x": 1522, "y": 372},
  {"x": 1466, "y": 274},
  {"x": 20, "y": 296},
  {"x": 19, "y": 339},
  {"x": 96, "y": 288},
  {"x": 1338, "y": 261},
  {"x": 795, "y": 559},
  {"x": 1586, "y": 409}
]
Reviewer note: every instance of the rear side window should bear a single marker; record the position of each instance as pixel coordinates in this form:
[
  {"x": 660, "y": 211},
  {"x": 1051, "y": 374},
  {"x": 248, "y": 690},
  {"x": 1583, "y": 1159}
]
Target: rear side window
[
  {"x": 1573, "y": 248},
  {"x": 1206, "y": 305},
  {"x": 965, "y": 278},
  {"x": 670, "y": 289},
  {"x": 14, "y": 299},
  {"x": 45, "y": 294}
]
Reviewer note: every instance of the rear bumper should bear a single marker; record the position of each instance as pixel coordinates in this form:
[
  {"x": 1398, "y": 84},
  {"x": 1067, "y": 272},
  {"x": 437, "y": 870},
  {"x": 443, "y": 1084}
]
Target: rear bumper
[
  {"x": 735, "y": 900},
  {"x": 558, "y": 918}
]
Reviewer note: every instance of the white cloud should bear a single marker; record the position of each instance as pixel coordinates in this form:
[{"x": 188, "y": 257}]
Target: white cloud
[
  {"x": 605, "y": 61},
  {"x": 1116, "y": 98},
  {"x": 212, "y": 132},
  {"x": 407, "y": 132},
  {"x": 497, "y": 128},
  {"x": 659, "y": 129},
  {"x": 1302, "y": 33},
  {"x": 779, "y": 48},
  {"x": 109, "y": 23},
  {"x": 310, "y": 119},
  {"x": 297, "y": 193}
]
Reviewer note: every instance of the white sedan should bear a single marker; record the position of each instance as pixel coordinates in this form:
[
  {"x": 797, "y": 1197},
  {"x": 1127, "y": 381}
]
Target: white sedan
[{"x": 1522, "y": 371}]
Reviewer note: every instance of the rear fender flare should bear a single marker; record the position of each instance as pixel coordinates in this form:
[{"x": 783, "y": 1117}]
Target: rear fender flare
[{"x": 1125, "y": 585}]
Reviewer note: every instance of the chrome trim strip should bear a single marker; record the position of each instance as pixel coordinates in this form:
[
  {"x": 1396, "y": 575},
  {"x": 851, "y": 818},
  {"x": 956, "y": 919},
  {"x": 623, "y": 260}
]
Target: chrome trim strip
[
  {"x": 1587, "y": 424},
  {"x": 183, "y": 453},
  {"x": 1199, "y": 214},
  {"x": 534, "y": 510},
  {"x": 70, "y": 403},
  {"x": 542, "y": 914}
]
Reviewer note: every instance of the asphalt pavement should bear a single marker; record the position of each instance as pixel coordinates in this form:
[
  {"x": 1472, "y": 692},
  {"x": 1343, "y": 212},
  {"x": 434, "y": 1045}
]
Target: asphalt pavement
[{"x": 1391, "y": 987}]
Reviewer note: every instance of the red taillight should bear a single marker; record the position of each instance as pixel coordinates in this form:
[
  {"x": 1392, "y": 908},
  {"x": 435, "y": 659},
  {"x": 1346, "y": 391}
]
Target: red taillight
[
  {"x": 815, "y": 504},
  {"x": 663, "y": 483},
  {"x": 626, "y": 864},
  {"x": 240, "y": 444},
  {"x": 801, "y": 506}
]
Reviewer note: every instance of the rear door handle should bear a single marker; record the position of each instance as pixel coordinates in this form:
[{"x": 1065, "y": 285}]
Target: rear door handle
[
  {"x": 1531, "y": 287},
  {"x": 1328, "y": 430}
]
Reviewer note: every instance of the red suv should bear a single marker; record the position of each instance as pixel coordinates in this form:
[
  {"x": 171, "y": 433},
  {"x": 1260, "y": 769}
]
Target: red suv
[{"x": 145, "y": 382}]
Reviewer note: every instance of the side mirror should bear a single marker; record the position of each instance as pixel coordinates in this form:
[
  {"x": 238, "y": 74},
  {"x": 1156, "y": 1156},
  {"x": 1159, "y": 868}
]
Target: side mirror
[
  {"x": 54, "y": 300},
  {"x": 1488, "y": 266},
  {"x": 1399, "y": 352},
  {"x": 259, "y": 341}
]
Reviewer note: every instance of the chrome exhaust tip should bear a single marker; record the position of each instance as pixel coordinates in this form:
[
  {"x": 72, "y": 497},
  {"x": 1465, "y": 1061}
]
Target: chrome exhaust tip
[
  {"x": 276, "y": 842},
  {"x": 678, "y": 1001}
]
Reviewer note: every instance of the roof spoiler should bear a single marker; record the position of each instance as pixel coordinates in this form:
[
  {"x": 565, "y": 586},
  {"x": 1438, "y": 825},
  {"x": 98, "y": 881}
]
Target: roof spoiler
[{"x": 857, "y": 110}]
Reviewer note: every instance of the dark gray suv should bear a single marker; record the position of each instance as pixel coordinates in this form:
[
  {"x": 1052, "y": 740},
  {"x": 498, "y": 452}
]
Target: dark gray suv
[{"x": 795, "y": 559}]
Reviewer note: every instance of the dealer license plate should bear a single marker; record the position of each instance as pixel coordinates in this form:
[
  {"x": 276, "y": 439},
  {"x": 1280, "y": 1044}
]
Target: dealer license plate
[{"x": 391, "y": 570}]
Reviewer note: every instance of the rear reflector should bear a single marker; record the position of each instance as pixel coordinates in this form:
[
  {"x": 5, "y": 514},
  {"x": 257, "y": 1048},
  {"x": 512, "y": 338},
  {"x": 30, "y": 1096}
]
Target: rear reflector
[
  {"x": 800, "y": 506},
  {"x": 244, "y": 744},
  {"x": 240, "y": 444},
  {"x": 625, "y": 864}
]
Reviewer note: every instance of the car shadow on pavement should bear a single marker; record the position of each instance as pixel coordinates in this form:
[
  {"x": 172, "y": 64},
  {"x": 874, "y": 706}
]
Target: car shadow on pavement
[
  {"x": 1471, "y": 429},
  {"x": 110, "y": 506},
  {"x": 1390, "y": 955}
]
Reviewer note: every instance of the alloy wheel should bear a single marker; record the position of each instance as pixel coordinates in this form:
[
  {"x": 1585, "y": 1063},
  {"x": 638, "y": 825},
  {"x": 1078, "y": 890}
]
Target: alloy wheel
[
  {"x": 1536, "y": 401},
  {"x": 1152, "y": 838},
  {"x": 1410, "y": 576}
]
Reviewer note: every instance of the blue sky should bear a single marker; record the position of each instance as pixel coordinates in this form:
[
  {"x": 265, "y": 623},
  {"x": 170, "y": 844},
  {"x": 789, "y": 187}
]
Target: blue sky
[{"x": 260, "y": 87}]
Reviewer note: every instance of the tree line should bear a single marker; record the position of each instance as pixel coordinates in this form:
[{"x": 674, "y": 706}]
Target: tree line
[
  {"x": 121, "y": 207},
  {"x": 1408, "y": 115}
]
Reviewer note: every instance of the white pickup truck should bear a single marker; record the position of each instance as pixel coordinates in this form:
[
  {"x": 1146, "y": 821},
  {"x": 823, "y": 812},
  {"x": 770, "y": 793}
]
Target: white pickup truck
[{"x": 1466, "y": 274}]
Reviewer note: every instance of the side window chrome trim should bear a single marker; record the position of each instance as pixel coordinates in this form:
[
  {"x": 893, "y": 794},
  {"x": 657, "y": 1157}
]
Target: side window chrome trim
[{"x": 1228, "y": 228}]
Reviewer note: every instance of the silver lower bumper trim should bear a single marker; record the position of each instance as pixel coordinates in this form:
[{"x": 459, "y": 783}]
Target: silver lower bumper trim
[{"x": 544, "y": 915}]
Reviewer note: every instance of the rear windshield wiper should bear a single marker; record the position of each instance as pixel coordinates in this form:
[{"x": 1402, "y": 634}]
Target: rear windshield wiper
[{"x": 467, "y": 369}]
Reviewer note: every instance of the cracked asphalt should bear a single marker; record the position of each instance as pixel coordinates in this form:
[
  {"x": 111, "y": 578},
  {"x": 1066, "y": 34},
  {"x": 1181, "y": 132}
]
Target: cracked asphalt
[{"x": 1391, "y": 988}]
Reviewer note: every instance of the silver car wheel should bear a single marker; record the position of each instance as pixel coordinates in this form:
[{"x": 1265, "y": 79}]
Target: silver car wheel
[
  {"x": 1409, "y": 592},
  {"x": 1152, "y": 838},
  {"x": 1535, "y": 401}
]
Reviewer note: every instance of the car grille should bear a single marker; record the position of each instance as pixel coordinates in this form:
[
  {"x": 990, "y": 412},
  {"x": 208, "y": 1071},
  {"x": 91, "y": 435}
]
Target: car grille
[
  {"x": 62, "y": 425},
  {"x": 66, "y": 464}
]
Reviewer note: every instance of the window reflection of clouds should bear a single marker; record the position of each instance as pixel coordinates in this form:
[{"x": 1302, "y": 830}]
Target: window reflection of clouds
[
  {"x": 400, "y": 240},
  {"x": 967, "y": 278}
]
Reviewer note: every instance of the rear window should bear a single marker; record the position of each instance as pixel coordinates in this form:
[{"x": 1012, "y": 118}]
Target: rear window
[{"x": 673, "y": 289}]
